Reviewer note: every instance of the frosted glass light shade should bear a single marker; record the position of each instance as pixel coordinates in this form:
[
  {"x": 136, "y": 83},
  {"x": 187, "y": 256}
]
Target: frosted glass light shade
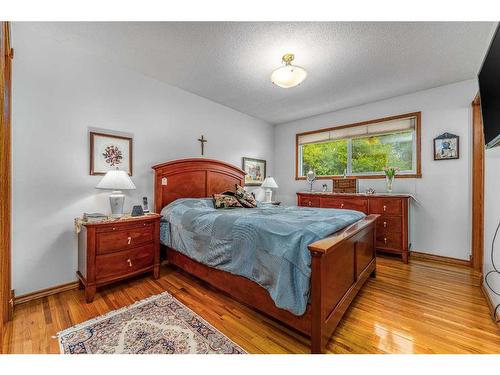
[
  {"x": 116, "y": 180},
  {"x": 270, "y": 183},
  {"x": 288, "y": 76}
]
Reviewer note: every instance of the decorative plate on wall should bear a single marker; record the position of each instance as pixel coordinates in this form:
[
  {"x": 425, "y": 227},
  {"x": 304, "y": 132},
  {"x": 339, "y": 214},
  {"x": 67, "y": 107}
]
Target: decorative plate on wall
[{"x": 108, "y": 152}]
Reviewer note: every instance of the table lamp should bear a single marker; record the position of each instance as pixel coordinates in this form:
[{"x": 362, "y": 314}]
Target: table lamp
[
  {"x": 116, "y": 180},
  {"x": 269, "y": 184}
]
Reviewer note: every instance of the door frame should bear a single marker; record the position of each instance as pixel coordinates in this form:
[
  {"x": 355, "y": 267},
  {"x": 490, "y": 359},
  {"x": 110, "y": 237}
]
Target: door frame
[
  {"x": 478, "y": 148},
  {"x": 6, "y": 55}
]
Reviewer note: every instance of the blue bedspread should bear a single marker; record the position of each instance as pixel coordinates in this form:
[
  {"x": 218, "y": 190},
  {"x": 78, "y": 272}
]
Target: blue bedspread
[{"x": 267, "y": 244}]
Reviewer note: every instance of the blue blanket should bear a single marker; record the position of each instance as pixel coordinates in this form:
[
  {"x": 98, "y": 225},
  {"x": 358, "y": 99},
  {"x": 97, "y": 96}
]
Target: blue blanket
[{"x": 267, "y": 244}]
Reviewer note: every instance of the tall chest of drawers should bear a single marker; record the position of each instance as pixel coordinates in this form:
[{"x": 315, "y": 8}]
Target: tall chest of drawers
[
  {"x": 392, "y": 225},
  {"x": 112, "y": 251}
]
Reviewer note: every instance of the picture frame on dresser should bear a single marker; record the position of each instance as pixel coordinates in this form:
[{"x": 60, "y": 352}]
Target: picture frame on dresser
[{"x": 110, "y": 151}]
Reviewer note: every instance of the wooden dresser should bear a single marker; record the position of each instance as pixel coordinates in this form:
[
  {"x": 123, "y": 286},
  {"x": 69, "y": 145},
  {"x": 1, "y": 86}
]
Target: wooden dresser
[
  {"x": 392, "y": 225},
  {"x": 115, "y": 250}
]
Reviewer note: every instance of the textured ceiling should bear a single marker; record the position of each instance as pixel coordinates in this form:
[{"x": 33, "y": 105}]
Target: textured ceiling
[{"x": 348, "y": 63}]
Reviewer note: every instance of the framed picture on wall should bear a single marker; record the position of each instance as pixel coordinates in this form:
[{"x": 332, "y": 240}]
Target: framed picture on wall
[
  {"x": 109, "y": 152},
  {"x": 255, "y": 170},
  {"x": 446, "y": 146}
]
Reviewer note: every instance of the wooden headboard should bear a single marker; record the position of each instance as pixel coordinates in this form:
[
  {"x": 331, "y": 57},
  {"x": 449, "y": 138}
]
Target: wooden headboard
[{"x": 193, "y": 178}]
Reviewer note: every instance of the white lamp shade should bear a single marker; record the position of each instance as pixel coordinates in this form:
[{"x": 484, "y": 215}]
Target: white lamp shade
[
  {"x": 116, "y": 180},
  {"x": 288, "y": 76},
  {"x": 269, "y": 183}
]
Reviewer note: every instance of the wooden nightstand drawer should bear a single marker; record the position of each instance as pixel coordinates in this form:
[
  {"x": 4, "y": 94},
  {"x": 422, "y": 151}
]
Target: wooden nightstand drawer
[
  {"x": 125, "y": 262},
  {"x": 124, "y": 238}
]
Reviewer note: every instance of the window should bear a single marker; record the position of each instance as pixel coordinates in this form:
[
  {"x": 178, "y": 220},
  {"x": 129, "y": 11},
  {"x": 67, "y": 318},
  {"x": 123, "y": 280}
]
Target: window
[{"x": 362, "y": 149}]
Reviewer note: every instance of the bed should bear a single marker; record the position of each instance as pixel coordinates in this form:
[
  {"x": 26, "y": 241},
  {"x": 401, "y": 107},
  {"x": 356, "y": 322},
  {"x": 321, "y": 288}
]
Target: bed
[{"x": 325, "y": 271}]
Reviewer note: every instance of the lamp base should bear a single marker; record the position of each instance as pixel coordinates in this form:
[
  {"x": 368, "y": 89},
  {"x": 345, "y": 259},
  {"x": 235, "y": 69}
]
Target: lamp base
[
  {"x": 116, "y": 200},
  {"x": 269, "y": 196}
]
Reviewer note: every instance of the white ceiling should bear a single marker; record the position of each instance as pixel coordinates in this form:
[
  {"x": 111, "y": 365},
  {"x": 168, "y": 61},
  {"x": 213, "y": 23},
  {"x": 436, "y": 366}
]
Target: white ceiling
[{"x": 348, "y": 63}]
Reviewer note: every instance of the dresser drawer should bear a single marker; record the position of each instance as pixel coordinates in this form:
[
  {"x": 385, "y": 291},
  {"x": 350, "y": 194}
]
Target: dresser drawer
[
  {"x": 122, "y": 263},
  {"x": 390, "y": 240},
  {"x": 386, "y": 224},
  {"x": 355, "y": 204},
  {"x": 331, "y": 203},
  {"x": 309, "y": 201},
  {"x": 389, "y": 206},
  {"x": 122, "y": 238}
]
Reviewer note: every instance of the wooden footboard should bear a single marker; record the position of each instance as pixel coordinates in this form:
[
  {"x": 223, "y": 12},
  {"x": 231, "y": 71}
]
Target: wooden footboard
[{"x": 341, "y": 264}]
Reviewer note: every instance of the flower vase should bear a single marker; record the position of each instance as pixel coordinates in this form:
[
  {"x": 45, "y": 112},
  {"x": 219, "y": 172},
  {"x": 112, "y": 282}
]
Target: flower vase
[{"x": 388, "y": 181}]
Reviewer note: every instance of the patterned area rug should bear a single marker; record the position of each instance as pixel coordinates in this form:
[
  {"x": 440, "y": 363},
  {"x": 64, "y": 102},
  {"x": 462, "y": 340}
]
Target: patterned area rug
[{"x": 156, "y": 325}]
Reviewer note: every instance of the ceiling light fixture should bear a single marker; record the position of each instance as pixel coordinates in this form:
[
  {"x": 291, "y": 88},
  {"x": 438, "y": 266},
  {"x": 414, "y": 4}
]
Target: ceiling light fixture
[{"x": 289, "y": 75}]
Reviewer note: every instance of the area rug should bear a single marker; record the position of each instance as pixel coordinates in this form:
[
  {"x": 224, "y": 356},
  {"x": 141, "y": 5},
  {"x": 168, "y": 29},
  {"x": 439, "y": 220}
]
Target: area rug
[{"x": 156, "y": 325}]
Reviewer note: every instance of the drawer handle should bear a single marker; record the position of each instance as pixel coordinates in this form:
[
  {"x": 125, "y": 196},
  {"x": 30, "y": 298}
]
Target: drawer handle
[
  {"x": 129, "y": 239},
  {"x": 385, "y": 208},
  {"x": 310, "y": 203},
  {"x": 129, "y": 262},
  {"x": 342, "y": 205},
  {"x": 114, "y": 228},
  {"x": 385, "y": 240},
  {"x": 385, "y": 224}
]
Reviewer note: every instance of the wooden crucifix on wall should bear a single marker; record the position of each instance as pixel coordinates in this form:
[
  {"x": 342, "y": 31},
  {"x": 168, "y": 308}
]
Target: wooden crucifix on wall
[{"x": 202, "y": 141}]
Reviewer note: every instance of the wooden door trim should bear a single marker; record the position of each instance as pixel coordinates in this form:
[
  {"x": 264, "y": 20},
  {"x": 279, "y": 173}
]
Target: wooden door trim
[
  {"x": 477, "y": 245},
  {"x": 6, "y": 54}
]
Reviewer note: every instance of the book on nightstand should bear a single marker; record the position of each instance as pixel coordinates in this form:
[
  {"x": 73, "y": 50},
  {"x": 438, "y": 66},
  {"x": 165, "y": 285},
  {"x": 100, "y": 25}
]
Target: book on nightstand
[{"x": 94, "y": 217}]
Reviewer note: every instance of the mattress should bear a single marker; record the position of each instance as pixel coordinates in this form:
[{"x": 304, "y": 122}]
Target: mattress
[{"x": 266, "y": 244}]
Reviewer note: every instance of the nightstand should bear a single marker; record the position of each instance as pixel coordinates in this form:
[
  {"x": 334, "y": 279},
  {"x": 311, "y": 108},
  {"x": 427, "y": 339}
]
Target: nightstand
[{"x": 118, "y": 249}]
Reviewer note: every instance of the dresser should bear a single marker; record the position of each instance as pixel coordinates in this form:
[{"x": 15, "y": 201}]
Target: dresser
[
  {"x": 392, "y": 225},
  {"x": 115, "y": 250}
]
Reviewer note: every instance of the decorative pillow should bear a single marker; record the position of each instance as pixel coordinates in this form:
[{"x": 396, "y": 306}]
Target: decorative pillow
[
  {"x": 245, "y": 198},
  {"x": 225, "y": 201}
]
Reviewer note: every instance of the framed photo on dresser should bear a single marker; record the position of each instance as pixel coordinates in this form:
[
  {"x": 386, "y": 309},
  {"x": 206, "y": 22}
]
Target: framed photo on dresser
[
  {"x": 108, "y": 152},
  {"x": 255, "y": 170}
]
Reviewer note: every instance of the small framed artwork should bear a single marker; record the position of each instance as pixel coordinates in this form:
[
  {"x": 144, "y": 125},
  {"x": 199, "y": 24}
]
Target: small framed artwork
[
  {"x": 255, "y": 170},
  {"x": 108, "y": 152},
  {"x": 446, "y": 147}
]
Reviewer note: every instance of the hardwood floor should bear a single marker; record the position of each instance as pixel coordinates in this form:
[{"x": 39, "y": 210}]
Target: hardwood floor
[{"x": 420, "y": 307}]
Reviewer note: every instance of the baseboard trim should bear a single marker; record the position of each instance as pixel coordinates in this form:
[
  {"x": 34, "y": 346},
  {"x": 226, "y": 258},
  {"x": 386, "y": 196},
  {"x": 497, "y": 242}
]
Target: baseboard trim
[
  {"x": 45, "y": 292},
  {"x": 439, "y": 258},
  {"x": 491, "y": 306}
]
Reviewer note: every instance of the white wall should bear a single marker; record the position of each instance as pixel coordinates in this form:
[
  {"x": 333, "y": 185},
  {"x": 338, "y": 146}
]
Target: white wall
[
  {"x": 492, "y": 218},
  {"x": 59, "y": 92},
  {"x": 441, "y": 217}
]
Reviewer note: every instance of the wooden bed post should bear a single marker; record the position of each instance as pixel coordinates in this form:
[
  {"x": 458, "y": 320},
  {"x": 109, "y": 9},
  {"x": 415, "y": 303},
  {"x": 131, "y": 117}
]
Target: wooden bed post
[{"x": 318, "y": 341}]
